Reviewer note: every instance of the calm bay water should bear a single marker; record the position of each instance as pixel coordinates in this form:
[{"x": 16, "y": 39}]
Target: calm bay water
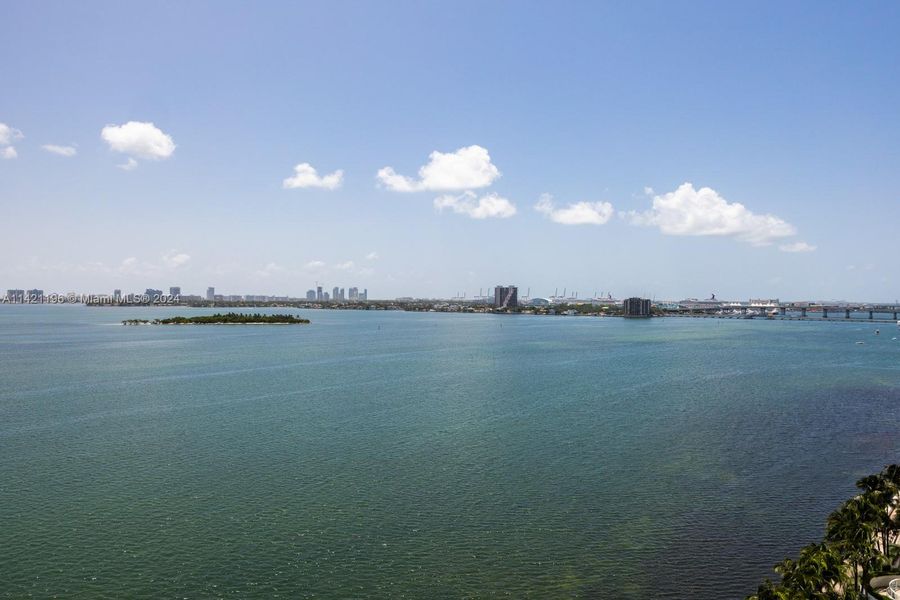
[{"x": 401, "y": 455}]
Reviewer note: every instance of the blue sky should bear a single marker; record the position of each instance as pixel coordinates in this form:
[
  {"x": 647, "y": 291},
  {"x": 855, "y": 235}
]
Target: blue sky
[{"x": 781, "y": 118}]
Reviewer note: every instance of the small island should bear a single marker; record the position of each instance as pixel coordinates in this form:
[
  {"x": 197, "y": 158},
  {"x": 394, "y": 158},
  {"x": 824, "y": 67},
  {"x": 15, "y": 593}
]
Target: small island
[{"x": 231, "y": 318}]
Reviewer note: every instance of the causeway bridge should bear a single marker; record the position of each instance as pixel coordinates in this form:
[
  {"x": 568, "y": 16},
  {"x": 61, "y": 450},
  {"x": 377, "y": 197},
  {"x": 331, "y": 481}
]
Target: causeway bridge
[
  {"x": 846, "y": 312},
  {"x": 879, "y": 312}
]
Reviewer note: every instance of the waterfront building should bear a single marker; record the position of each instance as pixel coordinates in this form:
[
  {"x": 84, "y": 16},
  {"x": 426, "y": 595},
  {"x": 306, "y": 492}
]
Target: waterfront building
[
  {"x": 117, "y": 295},
  {"x": 341, "y": 296},
  {"x": 764, "y": 303},
  {"x": 175, "y": 290},
  {"x": 210, "y": 293},
  {"x": 35, "y": 295},
  {"x": 353, "y": 294},
  {"x": 325, "y": 297},
  {"x": 506, "y": 296},
  {"x": 695, "y": 304},
  {"x": 15, "y": 296},
  {"x": 636, "y": 307},
  {"x": 153, "y": 295},
  {"x": 364, "y": 295},
  {"x": 311, "y": 295},
  {"x": 319, "y": 296},
  {"x": 336, "y": 294}
]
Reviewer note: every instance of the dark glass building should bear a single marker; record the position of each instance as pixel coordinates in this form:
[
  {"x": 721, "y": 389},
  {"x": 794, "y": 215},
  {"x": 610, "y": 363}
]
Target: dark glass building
[
  {"x": 506, "y": 296},
  {"x": 637, "y": 307}
]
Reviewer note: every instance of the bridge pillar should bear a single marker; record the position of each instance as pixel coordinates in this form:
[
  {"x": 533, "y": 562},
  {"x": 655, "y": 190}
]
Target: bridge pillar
[
  {"x": 824, "y": 313},
  {"x": 871, "y": 314},
  {"x": 895, "y": 315},
  {"x": 803, "y": 313},
  {"x": 846, "y": 313}
]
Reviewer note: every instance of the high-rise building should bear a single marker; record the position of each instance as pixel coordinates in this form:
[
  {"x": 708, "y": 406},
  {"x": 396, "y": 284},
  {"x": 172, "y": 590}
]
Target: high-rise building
[
  {"x": 15, "y": 296},
  {"x": 336, "y": 294},
  {"x": 506, "y": 296},
  {"x": 636, "y": 307},
  {"x": 117, "y": 295},
  {"x": 311, "y": 295},
  {"x": 319, "y": 295},
  {"x": 325, "y": 297},
  {"x": 210, "y": 293},
  {"x": 364, "y": 296},
  {"x": 354, "y": 294},
  {"x": 36, "y": 296},
  {"x": 175, "y": 291},
  {"x": 341, "y": 295}
]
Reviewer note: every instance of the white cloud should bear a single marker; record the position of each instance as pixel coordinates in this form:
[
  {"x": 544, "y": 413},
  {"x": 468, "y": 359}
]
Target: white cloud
[
  {"x": 138, "y": 140},
  {"x": 129, "y": 265},
  {"x": 129, "y": 165},
  {"x": 579, "y": 213},
  {"x": 270, "y": 269},
  {"x": 60, "y": 150},
  {"x": 797, "y": 247},
  {"x": 345, "y": 266},
  {"x": 8, "y": 134},
  {"x": 174, "y": 259},
  {"x": 468, "y": 203},
  {"x": 372, "y": 256},
  {"x": 314, "y": 264},
  {"x": 688, "y": 211},
  {"x": 305, "y": 176},
  {"x": 467, "y": 168}
]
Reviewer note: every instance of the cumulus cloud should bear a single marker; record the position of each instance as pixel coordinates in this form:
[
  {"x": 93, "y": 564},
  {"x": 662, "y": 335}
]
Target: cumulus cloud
[
  {"x": 467, "y": 168},
  {"x": 128, "y": 165},
  {"x": 314, "y": 264},
  {"x": 138, "y": 140},
  {"x": 305, "y": 176},
  {"x": 689, "y": 211},
  {"x": 174, "y": 259},
  {"x": 579, "y": 213},
  {"x": 372, "y": 256},
  {"x": 797, "y": 247},
  {"x": 270, "y": 269},
  {"x": 8, "y": 135},
  {"x": 129, "y": 265},
  {"x": 468, "y": 203},
  {"x": 345, "y": 266},
  {"x": 66, "y": 151}
]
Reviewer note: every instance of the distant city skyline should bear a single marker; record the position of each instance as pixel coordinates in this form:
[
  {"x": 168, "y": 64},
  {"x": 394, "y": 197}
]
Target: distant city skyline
[{"x": 663, "y": 150}]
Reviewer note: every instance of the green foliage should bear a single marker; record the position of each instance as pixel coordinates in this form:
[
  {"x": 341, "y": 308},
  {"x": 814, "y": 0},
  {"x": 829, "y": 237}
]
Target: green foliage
[
  {"x": 224, "y": 319},
  {"x": 857, "y": 543}
]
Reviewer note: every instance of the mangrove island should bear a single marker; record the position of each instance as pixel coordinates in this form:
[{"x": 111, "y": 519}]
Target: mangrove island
[{"x": 231, "y": 318}]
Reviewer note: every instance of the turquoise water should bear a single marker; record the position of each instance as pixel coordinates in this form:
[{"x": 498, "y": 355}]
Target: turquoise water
[{"x": 403, "y": 455}]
